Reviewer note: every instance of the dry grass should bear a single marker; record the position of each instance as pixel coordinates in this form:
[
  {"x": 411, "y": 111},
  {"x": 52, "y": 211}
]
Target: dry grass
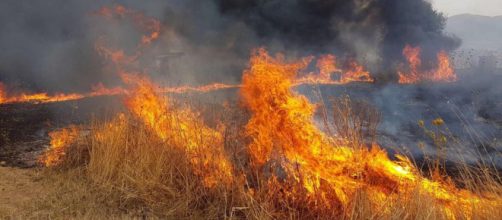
[
  {"x": 355, "y": 120},
  {"x": 123, "y": 169}
]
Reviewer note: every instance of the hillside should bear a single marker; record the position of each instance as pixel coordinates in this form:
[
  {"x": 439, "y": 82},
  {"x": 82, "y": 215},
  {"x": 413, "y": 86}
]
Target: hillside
[{"x": 476, "y": 31}]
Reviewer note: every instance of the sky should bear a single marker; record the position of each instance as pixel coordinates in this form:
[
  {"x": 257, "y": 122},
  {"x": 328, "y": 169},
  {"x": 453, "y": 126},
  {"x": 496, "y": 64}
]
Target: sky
[{"x": 479, "y": 7}]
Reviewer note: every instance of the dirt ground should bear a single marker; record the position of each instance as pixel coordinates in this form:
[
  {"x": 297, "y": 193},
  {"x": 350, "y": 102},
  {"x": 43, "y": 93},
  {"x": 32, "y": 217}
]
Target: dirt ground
[
  {"x": 19, "y": 188},
  {"x": 27, "y": 191},
  {"x": 34, "y": 193}
]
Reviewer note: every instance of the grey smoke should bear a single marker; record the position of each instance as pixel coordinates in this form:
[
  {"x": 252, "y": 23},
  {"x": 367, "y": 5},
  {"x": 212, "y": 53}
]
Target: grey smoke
[
  {"x": 374, "y": 31},
  {"x": 49, "y": 45}
]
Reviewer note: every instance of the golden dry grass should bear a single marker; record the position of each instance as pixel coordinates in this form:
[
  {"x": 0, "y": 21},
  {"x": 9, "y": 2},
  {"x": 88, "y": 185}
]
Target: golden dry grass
[{"x": 122, "y": 169}]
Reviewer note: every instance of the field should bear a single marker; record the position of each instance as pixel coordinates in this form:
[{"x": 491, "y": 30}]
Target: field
[{"x": 264, "y": 158}]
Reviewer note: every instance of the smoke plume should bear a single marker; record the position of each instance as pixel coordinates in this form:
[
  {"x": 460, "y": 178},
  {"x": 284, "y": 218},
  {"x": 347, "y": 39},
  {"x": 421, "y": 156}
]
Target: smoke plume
[{"x": 50, "y": 45}]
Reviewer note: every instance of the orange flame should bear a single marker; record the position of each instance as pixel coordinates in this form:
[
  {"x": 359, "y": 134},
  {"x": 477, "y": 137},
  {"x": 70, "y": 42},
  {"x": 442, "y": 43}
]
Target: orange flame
[
  {"x": 98, "y": 90},
  {"x": 182, "y": 128},
  {"x": 200, "y": 89},
  {"x": 327, "y": 67},
  {"x": 356, "y": 73},
  {"x": 101, "y": 90},
  {"x": 5, "y": 98},
  {"x": 317, "y": 168},
  {"x": 3, "y": 94},
  {"x": 282, "y": 131},
  {"x": 60, "y": 141},
  {"x": 443, "y": 73},
  {"x": 121, "y": 61},
  {"x": 148, "y": 24}
]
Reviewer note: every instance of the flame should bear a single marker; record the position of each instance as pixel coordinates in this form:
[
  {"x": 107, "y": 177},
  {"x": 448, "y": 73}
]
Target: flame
[
  {"x": 38, "y": 98},
  {"x": 148, "y": 24},
  {"x": 199, "y": 89},
  {"x": 412, "y": 55},
  {"x": 121, "y": 61},
  {"x": 60, "y": 141},
  {"x": 327, "y": 67},
  {"x": 180, "y": 127},
  {"x": 3, "y": 94},
  {"x": 443, "y": 73},
  {"x": 356, "y": 73},
  {"x": 5, "y": 98},
  {"x": 282, "y": 131},
  {"x": 285, "y": 145},
  {"x": 100, "y": 90},
  {"x": 116, "y": 56}
]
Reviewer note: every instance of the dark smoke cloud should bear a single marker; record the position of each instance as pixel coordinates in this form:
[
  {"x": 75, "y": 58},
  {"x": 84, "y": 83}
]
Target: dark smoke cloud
[
  {"x": 50, "y": 44},
  {"x": 372, "y": 30}
]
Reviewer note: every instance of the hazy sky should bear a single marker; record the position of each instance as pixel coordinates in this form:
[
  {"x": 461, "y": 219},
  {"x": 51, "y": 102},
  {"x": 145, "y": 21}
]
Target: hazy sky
[{"x": 481, "y": 7}]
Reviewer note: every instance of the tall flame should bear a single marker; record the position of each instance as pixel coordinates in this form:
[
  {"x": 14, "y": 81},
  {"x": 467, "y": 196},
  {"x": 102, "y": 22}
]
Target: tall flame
[
  {"x": 181, "y": 128},
  {"x": 443, "y": 73},
  {"x": 285, "y": 145},
  {"x": 282, "y": 131}
]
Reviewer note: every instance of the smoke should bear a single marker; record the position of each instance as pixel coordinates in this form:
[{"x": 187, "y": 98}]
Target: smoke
[
  {"x": 45, "y": 44},
  {"x": 50, "y": 45},
  {"x": 374, "y": 31}
]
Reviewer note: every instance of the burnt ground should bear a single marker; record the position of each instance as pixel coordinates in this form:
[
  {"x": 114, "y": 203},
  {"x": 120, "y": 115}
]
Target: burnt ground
[
  {"x": 466, "y": 107},
  {"x": 471, "y": 109},
  {"x": 24, "y": 127}
]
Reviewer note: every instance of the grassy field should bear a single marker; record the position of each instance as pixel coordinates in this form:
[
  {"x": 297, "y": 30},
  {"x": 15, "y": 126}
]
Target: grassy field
[{"x": 263, "y": 159}]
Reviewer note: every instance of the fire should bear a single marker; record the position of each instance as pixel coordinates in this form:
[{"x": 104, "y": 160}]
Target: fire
[
  {"x": 285, "y": 147},
  {"x": 35, "y": 97},
  {"x": 3, "y": 94},
  {"x": 282, "y": 133},
  {"x": 327, "y": 66},
  {"x": 443, "y": 73},
  {"x": 116, "y": 56},
  {"x": 181, "y": 128},
  {"x": 100, "y": 90},
  {"x": 199, "y": 89},
  {"x": 356, "y": 73},
  {"x": 412, "y": 55},
  {"x": 121, "y": 61},
  {"x": 60, "y": 141},
  {"x": 150, "y": 25},
  {"x": 25, "y": 97}
]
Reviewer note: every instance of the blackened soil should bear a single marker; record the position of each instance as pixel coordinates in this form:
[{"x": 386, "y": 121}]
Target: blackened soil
[{"x": 24, "y": 127}]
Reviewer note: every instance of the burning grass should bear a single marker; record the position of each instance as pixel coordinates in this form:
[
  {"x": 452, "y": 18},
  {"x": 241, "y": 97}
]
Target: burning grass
[
  {"x": 443, "y": 73},
  {"x": 163, "y": 158}
]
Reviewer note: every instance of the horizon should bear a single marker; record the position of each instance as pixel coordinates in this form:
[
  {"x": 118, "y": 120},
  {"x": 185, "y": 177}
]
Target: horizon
[
  {"x": 472, "y": 14},
  {"x": 459, "y": 7}
]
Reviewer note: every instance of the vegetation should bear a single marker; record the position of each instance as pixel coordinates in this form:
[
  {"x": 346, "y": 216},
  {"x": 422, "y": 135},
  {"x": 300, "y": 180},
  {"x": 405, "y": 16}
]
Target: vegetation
[{"x": 160, "y": 159}]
